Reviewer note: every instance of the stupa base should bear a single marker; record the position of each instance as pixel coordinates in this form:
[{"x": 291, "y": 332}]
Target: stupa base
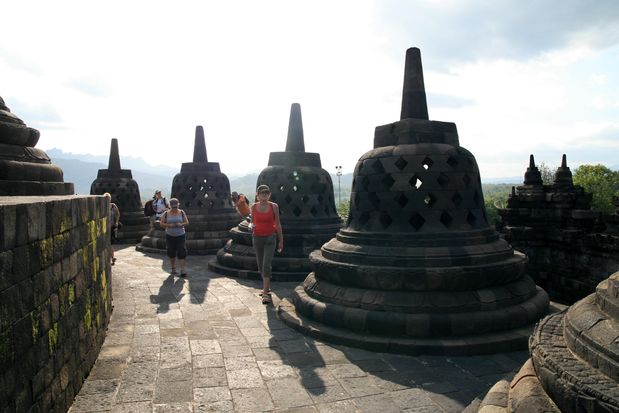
[
  {"x": 142, "y": 248},
  {"x": 23, "y": 188},
  {"x": 509, "y": 340},
  {"x": 251, "y": 274}
]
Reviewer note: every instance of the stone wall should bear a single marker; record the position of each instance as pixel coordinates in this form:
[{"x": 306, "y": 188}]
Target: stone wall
[
  {"x": 567, "y": 264},
  {"x": 55, "y": 298}
]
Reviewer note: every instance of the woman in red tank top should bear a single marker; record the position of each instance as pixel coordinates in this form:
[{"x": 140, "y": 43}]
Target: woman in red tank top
[{"x": 267, "y": 233}]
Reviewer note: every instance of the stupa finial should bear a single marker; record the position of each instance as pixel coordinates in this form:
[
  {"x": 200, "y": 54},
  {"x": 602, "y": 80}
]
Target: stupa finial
[
  {"x": 113, "y": 163},
  {"x": 414, "y": 103},
  {"x": 295, "y": 141},
  {"x": 199, "y": 149},
  {"x": 531, "y": 161}
]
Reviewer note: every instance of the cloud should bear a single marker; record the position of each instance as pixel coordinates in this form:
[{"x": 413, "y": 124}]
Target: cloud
[
  {"x": 36, "y": 115},
  {"x": 19, "y": 62},
  {"x": 437, "y": 100},
  {"x": 91, "y": 87},
  {"x": 455, "y": 31}
]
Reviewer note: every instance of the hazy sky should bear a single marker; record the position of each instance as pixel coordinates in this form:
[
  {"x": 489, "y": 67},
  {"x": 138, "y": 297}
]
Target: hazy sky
[{"x": 516, "y": 77}]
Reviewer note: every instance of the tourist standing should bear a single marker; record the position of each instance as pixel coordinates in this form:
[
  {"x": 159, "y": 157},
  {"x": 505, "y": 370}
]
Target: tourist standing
[
  {"x": 160, "y": 205},
  {"x": 267, "y": 234},
  {"x": 174, "y": 221},
  {"x": 242, "y": 204},
  {"x": 112, "y": 226}
]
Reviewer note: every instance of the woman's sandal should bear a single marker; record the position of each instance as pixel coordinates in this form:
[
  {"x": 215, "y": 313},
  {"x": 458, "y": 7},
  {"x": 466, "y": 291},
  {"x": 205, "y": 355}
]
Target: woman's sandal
[
  {"x": 266, "y": 299},
  {"x": 268, "y": 293}
]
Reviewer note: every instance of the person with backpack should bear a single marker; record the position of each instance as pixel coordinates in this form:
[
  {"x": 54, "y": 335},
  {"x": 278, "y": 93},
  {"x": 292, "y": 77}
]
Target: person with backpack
[
  {"x": 156, "y": 207},
  {"x": 242, "y": 204},
  {"x": 174, "y": 221}
]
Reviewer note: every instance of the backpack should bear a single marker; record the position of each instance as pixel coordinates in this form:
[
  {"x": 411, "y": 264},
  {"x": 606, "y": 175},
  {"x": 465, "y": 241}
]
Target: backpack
[{"x": 148, "y": 209}]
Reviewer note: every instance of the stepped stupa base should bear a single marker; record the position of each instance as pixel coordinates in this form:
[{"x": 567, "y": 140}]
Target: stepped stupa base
[
  {"x": 155, "y": 250},
  {"x": 510, "y": 340},
  {"x": 254, "y": 274},
  {"x": 567, "y": 377},
  {"x": 24, "y": 188}
]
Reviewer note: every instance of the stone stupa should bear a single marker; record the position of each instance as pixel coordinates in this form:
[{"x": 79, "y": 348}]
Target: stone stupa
[
  {"x": 204, "y": 194},
  {"x": 24, "y": 169},
  {"x": 119, "y": 183},
  {"x": 417, "y": 268},
  {"x": 304, "y": 194},
  {"x": 574, "y": 364}
]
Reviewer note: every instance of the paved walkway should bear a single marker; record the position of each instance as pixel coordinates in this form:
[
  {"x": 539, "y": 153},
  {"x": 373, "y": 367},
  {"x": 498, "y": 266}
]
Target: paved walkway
[{"x": 207, "y": 343}]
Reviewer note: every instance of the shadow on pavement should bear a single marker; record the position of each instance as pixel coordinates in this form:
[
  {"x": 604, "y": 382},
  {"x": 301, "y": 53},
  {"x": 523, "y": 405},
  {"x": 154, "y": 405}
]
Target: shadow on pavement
[{"x": 169, "y": 292}]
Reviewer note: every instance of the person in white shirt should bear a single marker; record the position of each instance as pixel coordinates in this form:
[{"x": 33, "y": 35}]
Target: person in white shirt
[{"x": 160, "y": 205}]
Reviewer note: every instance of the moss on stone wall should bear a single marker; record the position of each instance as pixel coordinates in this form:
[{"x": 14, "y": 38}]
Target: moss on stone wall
[
  {"x": 87, "y": 315},
  {"x": 35, "y": 319},
  {"x": 71, "y": 294},
  {"x": 52, "y": 338},
  {"x": 46, "y": 247}
]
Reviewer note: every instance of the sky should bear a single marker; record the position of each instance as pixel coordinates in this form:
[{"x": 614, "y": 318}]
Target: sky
[{"x": 517, "y": 78}]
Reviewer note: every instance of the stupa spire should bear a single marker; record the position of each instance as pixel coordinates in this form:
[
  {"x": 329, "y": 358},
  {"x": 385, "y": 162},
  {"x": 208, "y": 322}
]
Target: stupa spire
[
  {"x": 295, "y": 141},
  {"x": 414, "y": 103},
  {"x": 113, "y": 163},
  {"x": 199, "y": 148}
]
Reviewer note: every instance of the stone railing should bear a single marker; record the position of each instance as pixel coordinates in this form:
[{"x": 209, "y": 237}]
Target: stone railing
[{"x": 55, "y": 297}]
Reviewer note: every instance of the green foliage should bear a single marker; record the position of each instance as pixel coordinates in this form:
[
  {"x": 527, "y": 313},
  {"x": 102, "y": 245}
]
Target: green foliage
[
  {"x": 602, "y": 182},
  {"x": 495, "y": 198},
  {"x": 548, "y": 174},
  {"x": 343, "y": 208}
]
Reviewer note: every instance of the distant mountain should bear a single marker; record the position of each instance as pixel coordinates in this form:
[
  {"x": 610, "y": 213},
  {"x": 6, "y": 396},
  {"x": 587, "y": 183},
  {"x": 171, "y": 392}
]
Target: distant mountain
[
  {"x": 126, "y": 162},
  {"x": 82, "y": 174}
]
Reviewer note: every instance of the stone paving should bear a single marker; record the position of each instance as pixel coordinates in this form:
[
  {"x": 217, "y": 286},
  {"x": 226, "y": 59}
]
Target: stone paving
[{"x": 207, "y": 343}]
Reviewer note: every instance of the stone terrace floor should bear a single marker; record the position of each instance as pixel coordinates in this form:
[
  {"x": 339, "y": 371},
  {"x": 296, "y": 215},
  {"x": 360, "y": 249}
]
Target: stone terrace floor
[{"x": 207, "y": 343}]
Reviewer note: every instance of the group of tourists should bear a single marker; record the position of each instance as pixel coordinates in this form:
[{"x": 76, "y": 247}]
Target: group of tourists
[{"x": 262, "y": 215}]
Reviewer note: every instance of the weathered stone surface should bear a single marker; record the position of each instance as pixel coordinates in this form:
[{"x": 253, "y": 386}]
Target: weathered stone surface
[
  {"x": 304, "y": 194},
  {"x": 25, "y": 170},
  {"x": 204, "y": 194},
  {"x": 556, "y": 228},
  {"x": 417, "y": 268},
  {"x": 125, "y": 193},
  {"x": 55, "y": 300}
]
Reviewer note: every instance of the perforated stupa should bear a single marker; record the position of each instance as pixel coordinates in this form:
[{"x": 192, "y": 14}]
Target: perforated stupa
[
  {"x": 304, "y": 194},
  {"x": 417, "y": 268},
  {"x": 125, "y": 192},
  {"x": 204, "y": 193}
]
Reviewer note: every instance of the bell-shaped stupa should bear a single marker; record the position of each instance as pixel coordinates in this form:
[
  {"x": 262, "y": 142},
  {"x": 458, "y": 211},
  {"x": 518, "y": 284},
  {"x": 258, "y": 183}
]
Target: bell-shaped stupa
[
  {"x": 417, "y": 269},
  {"x": 574, "y": 364},
  {"x": 119, "y": 183},
  {"x": 204, "y": 194},
  {"x": 25, "y": 170},
  {"x": 304, "y": 193}
]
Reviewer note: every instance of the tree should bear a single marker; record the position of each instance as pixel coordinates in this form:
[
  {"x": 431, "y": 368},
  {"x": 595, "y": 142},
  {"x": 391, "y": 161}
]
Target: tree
[
  {"x": 602, "y": 182},
  {"x": 343, "y": 208},
  {"x": 548, "y": 175}
]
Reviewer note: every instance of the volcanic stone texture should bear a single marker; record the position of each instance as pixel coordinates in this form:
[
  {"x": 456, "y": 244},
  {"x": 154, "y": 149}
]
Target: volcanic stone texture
[
  {"x": 25, "y": 170},
  {"x": 304, "y": 194},
  {"x": 574, "y": 365},
  {"x": 554, "y": 226},
  {"x": 119, "y": 183},
  {"x": 417, "y": 269},
  {"x": 204, "y": 194},
  {"x": 55, "y": 298}
]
